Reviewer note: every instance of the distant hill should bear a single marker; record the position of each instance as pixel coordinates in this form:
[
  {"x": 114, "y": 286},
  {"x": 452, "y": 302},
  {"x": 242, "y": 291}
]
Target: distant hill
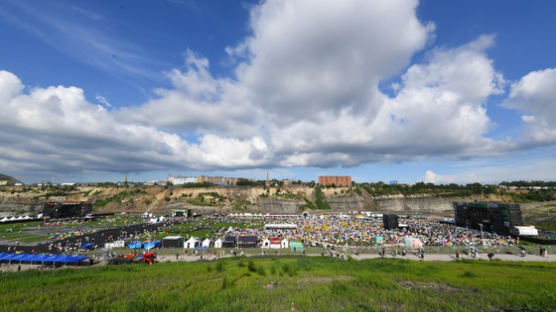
[{"x": 11, "y": 180}]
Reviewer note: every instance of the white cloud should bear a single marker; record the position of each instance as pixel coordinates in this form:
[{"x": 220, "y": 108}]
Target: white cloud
[
  {"x": 430, "y": 177},
  {"x": 306, "y": 56},
  {"x": 510, "y": 170},
  {"x": 535, "y": 95},
  {"x": 56, "y": 129},
  {"x": 308, "y": 84},
  {"x": 439, "y": 109},
  {"x": 305, "y": 92},
  {"x": 103, "y": 101}
]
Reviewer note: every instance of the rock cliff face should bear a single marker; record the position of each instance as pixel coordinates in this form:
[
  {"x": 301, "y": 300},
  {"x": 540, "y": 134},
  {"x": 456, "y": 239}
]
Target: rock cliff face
[
  {"x": 20, "y": 206},
  {"x": 273, "y": 205},
  {"x": 422, "y": 204},
  {"x": 231, "y": 199}
]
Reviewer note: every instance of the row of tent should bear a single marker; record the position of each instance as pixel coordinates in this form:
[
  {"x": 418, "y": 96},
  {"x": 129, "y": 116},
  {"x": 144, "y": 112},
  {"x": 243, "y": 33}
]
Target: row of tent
[
  {"x": 29, "y": 258},
  {"x": 195, "y": 243},
  {"x": 12, "y": 218}
]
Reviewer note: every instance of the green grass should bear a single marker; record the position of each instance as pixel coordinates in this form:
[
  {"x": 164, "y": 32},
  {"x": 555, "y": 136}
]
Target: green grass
[
  {"x": 17, "y": 232},
  {"x": 202, "y": 229},
  {"x": 268, "y": 284}
]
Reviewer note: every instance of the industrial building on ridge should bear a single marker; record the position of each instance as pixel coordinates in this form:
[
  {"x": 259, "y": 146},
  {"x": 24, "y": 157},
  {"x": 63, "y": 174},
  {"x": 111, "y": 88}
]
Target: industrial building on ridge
[
  {"x": 335, "y": 181},
  {"x": 67, "y": 209},
  {"x": 179, "y": 180},
  {"x": 495, "y": 217},
  {"x": 217, "y": 180}
]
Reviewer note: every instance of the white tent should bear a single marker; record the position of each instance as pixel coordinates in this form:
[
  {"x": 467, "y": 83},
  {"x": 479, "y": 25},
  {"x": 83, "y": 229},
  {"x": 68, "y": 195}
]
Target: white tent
[
  {"x": 191, "y": 243},
  {"x": 266, "y": 243},
  {"x": 527, "y": 230},
  {"x": 20, "y": 218},
  {"x": 27, "y": 217},
  {"x": 12, "y": 218},
  {"x": 115, "y": 244},
  {"x": 285, "y": 243},
  {"x": 206, "y": 243},
  {"x": 145, "y": 215},
  {"x": 4, "y": 219},
  {"x": 218, "y": 243}
]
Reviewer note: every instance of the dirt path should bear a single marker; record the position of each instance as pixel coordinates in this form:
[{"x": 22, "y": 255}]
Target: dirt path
[
  {"x": 452, "y": 257},
  {"x": 192, "y": 258},
  {"x": 428, "y": 257}
]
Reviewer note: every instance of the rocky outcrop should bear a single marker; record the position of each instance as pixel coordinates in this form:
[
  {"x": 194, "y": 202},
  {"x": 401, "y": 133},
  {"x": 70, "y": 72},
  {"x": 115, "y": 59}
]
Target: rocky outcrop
[
  {"x": 19, "y": 206},
  {"x": 275, "y": 205},
  {"x": 423, "y": 204},
  {"x": 236, "y": 199},
  {"x": 349, "y": 203}
]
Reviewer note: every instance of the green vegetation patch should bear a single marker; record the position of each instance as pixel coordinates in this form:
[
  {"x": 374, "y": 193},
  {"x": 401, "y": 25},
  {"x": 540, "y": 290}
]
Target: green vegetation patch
[
  {"x": 285, "y": 284},
  {"x": 118, "y": 198},
  {"x": 207, "y": 199}
]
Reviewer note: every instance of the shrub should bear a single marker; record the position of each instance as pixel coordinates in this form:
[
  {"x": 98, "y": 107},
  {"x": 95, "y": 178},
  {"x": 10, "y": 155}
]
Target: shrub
[
  {"x": 261, "y": 271},
  {"x": 251, "y": 266},
  {"x": 219, "y": 266},
  {"x": 468, "y": 274}
]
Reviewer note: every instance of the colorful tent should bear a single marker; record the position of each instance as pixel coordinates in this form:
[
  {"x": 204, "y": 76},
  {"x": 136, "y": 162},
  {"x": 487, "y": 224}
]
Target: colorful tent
[
  {"x": 135, "y": 245},
  {"x": 149, "y": 245}
]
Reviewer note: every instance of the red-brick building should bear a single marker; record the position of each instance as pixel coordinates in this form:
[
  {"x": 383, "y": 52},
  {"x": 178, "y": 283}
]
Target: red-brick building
[{"x": 335, "y": 180}]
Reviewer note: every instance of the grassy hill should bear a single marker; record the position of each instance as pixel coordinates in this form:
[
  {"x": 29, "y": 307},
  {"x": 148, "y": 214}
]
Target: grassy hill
[{"x": 286, "y": 284}]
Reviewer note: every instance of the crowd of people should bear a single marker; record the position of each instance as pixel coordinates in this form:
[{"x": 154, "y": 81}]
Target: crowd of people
[{"x": 358, "y": 231}]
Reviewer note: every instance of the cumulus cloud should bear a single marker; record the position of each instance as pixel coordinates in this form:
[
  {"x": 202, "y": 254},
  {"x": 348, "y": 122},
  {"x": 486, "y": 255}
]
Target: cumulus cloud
[
  {"x": 439, "y": 109},
  {"x": 305, "y": 57},
  {"x": 509, "y": 170},
  {"x": 430, "y": 177},
  {"x": 308, "y": 84},
  {"x": 55, "y": 129},
  {"x": 535, "y": 96},
  {"x": 305, "y": 92}
]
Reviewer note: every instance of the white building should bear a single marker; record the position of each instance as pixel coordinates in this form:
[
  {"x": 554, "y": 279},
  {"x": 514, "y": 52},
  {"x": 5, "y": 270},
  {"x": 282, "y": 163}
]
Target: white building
[{"x": 179, "y": 180}]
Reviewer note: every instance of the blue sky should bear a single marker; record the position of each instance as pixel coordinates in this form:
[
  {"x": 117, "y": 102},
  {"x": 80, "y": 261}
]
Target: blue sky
[{"x": 241, "y": 88}]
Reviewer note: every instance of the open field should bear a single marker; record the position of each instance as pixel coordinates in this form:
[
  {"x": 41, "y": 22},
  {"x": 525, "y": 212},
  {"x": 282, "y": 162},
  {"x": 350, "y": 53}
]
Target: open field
[
  {"x": 280, "y": 284},
  {"x": 19, "y": 232}
]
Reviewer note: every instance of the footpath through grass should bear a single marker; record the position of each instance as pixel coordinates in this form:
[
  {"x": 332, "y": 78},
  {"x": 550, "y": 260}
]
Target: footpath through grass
[{"x": 278, "y": 284}]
